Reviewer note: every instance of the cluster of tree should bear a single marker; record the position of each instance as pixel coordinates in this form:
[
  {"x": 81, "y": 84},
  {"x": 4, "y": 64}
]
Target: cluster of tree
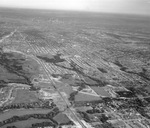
[
  {"x": 11, "y": 127},
  {"x": 93, "y": 111},
  {"x": 29, "y": 105},
  {"x": 43, "y": 124},
  {"x": 49, "y": 116}
]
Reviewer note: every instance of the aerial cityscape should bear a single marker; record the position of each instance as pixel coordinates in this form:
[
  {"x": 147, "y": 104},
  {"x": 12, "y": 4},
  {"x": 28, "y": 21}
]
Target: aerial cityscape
[{"x": 68, "y": 69}]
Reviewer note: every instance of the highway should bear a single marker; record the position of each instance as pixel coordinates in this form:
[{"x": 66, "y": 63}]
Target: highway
[{"x": 53, "y": 84}]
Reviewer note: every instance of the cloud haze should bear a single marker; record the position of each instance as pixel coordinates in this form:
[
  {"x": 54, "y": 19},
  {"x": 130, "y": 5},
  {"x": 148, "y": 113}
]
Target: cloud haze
[{"x": 114, "y": 6}]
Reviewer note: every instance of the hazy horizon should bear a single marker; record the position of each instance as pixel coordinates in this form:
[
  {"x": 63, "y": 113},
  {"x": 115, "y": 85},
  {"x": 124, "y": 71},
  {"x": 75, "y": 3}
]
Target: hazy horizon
[{"x": 141, "y": 7}]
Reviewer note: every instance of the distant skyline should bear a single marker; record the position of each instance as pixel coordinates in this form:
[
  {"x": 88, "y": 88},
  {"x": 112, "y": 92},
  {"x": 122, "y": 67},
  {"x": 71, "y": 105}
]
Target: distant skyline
[{"x": 141, "y": 7}]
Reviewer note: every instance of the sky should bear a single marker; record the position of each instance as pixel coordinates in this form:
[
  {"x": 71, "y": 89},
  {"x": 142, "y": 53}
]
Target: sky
[{"x": 110, "y": 6}]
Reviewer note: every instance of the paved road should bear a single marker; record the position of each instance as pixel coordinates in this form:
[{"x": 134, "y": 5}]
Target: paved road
[{"x": 53, "y": 84}]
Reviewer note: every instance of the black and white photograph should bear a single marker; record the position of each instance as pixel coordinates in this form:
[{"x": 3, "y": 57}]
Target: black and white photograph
[{"x": 74, "y": 63}]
